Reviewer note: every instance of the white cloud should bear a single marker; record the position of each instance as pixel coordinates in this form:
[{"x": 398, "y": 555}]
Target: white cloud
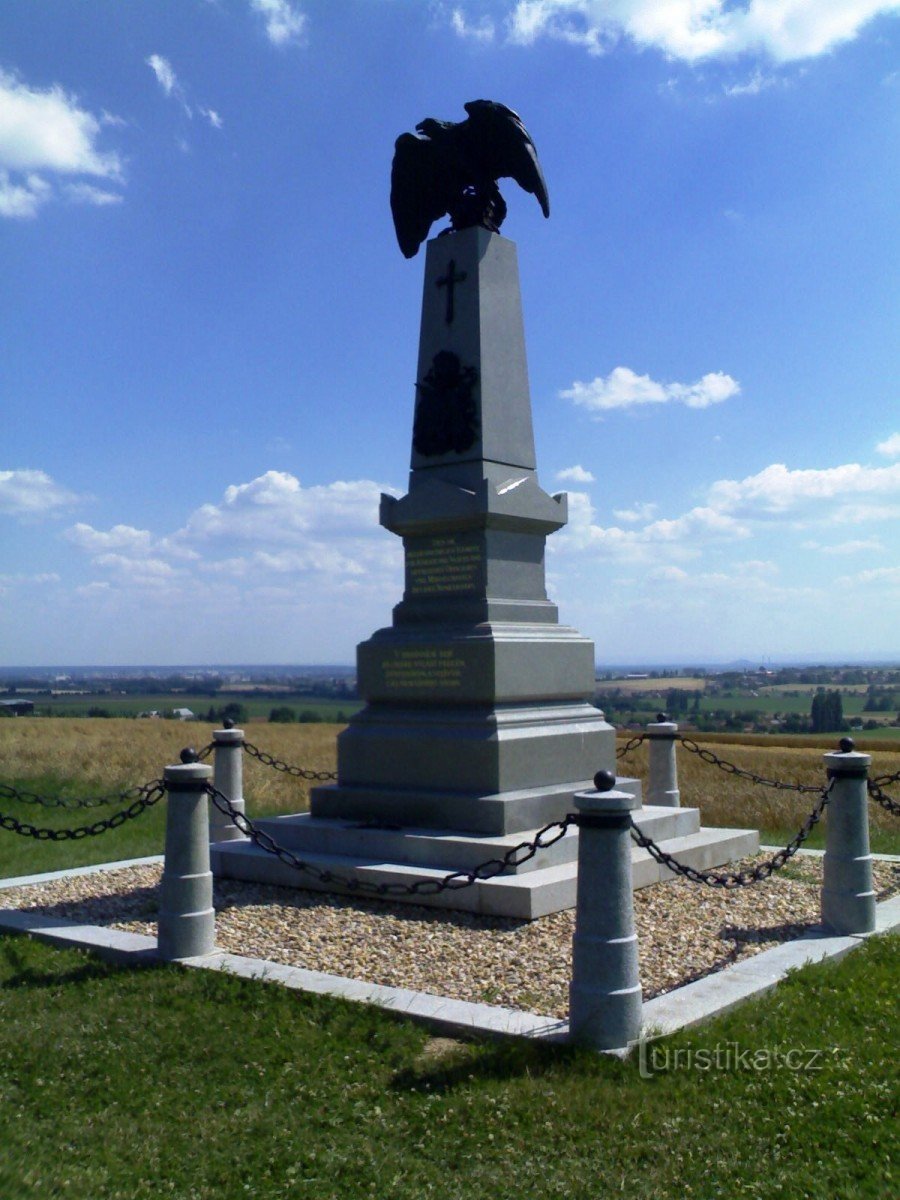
[
  {"x": 854, "y": 546},
  {"x": 755, "y": 84},
  {"x": 32, "y": 494},
  {"x": 483, "y": 30},
  {"x": 165, "y": 74},
  {"x": 120, "y": 537},
  {"x": 890, "y": 447},
  {"x": 284, "y": 22},
  {"x": 623, "y": 388},
  {"x": 640, "y": 512},
  {"x": 173, "y": 88},
  {"x": 697, "y": 30},
  {"x": 46, "y": 132},
  {"x": 776, "y": 490},
  {"x": 576, "y": 474},
  {"x": 269, "y": 527},
  {"x": 22, "y": 199},
  {"x": 86, "y": 193}
]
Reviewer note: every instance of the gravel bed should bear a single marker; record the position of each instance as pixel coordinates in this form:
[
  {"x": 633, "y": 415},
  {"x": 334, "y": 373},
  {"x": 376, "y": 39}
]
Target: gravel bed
[{"x": 685, "y": 931}]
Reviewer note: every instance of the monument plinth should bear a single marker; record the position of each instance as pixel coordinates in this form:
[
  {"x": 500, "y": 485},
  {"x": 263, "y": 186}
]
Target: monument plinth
[{"x": 477, "y": 712}]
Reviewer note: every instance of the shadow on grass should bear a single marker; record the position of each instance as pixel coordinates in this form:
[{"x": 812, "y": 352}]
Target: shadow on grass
[
  {"x": 466, "y": 1062},
  {"x": 13, "y": 955}
]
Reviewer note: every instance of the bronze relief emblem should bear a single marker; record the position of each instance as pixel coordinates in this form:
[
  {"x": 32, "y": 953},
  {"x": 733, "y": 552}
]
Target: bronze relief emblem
[{"x": 446, "y": 414}]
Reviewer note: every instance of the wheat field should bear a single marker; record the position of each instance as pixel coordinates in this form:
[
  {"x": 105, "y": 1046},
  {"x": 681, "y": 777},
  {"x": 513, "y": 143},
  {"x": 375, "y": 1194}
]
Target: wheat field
[{"x": 100, "y": 756}]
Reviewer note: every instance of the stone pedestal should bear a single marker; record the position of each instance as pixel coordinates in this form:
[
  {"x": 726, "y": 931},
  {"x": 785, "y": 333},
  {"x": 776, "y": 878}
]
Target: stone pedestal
[{"x": 477, "y": 712}]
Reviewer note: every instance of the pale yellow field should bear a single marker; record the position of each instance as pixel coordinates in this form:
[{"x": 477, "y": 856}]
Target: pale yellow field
[
  {"x": 727, "y": 800},
  {"x": 687, "y": 683},
  {"x": 109, "y": 754}
]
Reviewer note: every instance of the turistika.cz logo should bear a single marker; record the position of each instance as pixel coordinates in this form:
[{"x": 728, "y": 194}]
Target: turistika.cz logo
[{"x": 657, "y": 1058}]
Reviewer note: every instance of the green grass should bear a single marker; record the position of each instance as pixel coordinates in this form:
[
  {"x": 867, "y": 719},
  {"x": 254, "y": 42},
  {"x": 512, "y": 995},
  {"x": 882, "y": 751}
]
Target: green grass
[{"x": 127, "y": 1085}]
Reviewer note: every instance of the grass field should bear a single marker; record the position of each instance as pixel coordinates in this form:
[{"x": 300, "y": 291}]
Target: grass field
[{"x": 131, "y": 1085}]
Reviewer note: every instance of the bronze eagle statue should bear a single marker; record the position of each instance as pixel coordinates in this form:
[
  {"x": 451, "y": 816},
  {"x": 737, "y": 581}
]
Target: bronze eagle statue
[{"x": 453, "y": 167}]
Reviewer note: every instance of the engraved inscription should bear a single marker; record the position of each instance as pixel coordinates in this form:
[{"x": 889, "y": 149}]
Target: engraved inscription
[
  {"x": 414, "y": 667},
  {"x": 441, "y": 565}
]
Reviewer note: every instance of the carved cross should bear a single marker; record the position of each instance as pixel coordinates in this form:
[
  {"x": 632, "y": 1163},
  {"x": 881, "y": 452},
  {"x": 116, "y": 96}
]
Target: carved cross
[{"x": 449, "y": 281}]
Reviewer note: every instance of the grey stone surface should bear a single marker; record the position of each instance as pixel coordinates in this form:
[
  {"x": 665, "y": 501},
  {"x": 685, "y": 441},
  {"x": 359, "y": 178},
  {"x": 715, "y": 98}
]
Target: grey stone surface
[
  {"x": 186, "y": 914},
  {"x": 477, "y": 712},
  {"x": 228, "y": 778},
  {"x": 605, "y": 992},
  {"x": 848, "y": 892},
  {"x": 662, "y": 782}
]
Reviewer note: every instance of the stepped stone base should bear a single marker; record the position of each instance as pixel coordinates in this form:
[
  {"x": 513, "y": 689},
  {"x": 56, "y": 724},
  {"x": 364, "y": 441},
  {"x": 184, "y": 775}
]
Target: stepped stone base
[{"x": 543, "y": 885}]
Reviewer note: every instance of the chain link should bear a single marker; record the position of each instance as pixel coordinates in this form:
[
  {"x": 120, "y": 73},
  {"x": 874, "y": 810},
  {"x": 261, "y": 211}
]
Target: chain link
[
  {"x": 203, "y": 755},
  {"x": 10, "y": 793},
  {"x": 632, "y": 745},
  {"x": 880, "y": 797},
  {"x": 735, "y": 879},
  {"x": 276, "y": 763},
  {"x": 730, "y": 769},
  {"x": 147, "y": 796},
  {"x": 454, "y": 881}
]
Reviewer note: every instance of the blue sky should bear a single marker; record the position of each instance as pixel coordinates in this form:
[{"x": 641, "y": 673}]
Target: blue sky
[{"x": 208, "y": 334}]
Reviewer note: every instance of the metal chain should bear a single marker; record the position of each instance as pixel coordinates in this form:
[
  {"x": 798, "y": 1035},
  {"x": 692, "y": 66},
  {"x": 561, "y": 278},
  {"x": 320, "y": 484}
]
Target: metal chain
[
  {"x": 10, "y": 793},
  {"x": 632, "y": 745},
  {"x": 148, "y": 795},
  {"x": 730, "y": 769},
  {"x": 454, "y": 881},
  {"x": 203, "y": 755},
  {"x": 881, "y": 797},
  {"x": 735, "y": 879},
  {"x": 269, "y": 761}
]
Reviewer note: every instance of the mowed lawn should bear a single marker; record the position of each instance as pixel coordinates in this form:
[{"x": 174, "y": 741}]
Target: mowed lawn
[{"x": 136, "y": 1084}]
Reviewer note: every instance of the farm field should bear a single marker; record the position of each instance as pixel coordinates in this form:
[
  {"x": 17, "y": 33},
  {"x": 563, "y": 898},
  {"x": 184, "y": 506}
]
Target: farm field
[
  {"x": 83, "y": 757},
  {"x": 258, "y": 707}
]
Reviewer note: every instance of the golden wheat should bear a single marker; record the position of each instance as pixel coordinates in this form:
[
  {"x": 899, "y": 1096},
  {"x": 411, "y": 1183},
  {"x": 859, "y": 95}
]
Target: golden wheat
[{"x": 105, "y": 755}]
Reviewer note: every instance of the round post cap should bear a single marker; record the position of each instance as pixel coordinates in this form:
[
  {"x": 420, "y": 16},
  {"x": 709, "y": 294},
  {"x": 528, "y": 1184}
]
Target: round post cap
[
  {"x": 604, "y": 781},
  {"x": 189, "y": 755}
]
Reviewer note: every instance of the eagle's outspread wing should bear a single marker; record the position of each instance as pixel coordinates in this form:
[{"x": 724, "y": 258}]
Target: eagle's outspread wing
[
  {"x": 500, "y": 138},
  {"x": 453, "y": 168},
  {"x": 416, "y": 196}
]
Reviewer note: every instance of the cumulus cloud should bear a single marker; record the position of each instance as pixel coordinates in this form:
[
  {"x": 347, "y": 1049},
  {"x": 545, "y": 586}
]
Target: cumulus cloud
[
  {"x": 269, "y": 528},
  {"x": 576, "y": 474},
  {"x": 46, "y": 132},
  {"x": 890, "y": 447},
  {"x": 283, "y": 21},
  {"x": 624, "y": 388},
  {"x": 32, "y": 494},
  {"x": 697, "y": 30},
  {"x": 639, "y": 512},
  {"x": 777, "y": 490}
]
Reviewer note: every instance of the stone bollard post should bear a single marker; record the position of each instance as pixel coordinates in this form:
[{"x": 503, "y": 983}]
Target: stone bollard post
[
  {"x": 605, "y": 992},
  {"x": 228, "y": 778},
  {"x": 848, "y": 894},
  {"x": 662, "y": 782},
  {"x": 186, "y": 916}
]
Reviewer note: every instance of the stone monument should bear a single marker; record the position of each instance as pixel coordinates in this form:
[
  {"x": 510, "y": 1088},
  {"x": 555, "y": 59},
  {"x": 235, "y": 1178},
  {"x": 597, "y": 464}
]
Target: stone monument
[
  {"x": 477, "y": 727},
  {"x": 477, "y": 712}
]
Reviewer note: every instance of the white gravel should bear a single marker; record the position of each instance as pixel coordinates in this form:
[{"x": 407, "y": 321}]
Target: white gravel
[{"x": 684, "y": 931}]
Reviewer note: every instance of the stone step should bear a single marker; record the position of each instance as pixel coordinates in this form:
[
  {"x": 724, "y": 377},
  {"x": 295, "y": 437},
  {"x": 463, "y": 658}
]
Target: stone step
[
  {"x": 524, "y": 896},
  {"x": 445, "y": 850}
]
